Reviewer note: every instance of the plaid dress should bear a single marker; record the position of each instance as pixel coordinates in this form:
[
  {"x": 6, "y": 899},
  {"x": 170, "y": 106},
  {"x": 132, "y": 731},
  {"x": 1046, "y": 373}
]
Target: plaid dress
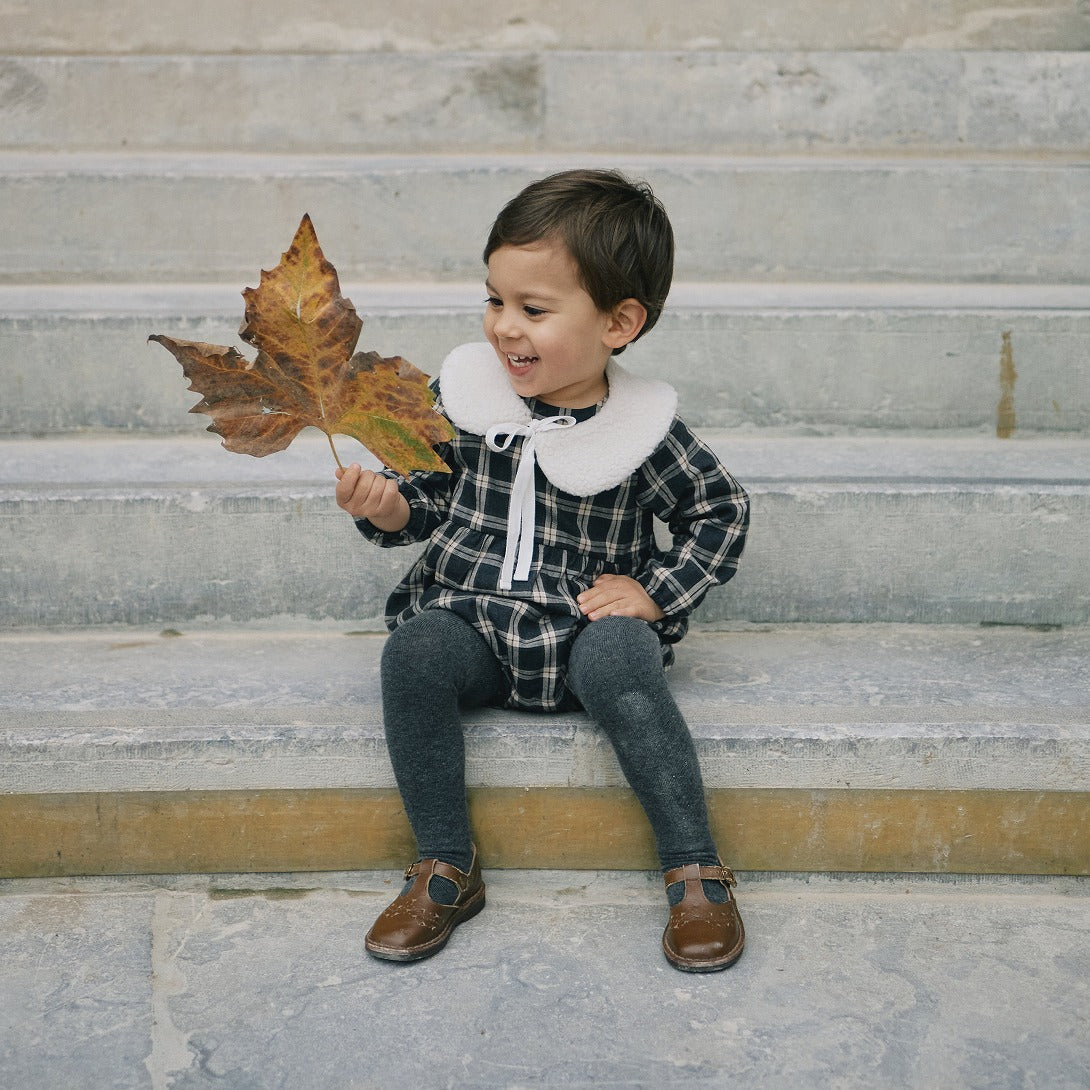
[{"x": 464, "y": 518}]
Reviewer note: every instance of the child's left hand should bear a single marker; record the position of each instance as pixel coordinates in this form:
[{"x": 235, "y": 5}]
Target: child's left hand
[{"x": 618, "y": 596}]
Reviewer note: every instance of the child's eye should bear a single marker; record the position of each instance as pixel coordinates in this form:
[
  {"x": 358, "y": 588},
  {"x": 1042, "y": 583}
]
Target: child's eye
[
  {"x": 492, "y": 301},
  {"x": 533, "y": 312}
]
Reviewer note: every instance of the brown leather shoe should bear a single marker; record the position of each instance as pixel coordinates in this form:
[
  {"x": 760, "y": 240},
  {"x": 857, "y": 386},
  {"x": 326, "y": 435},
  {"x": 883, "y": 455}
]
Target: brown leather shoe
[
  {"x": 413, "y": 926},
  {"x": 703, "y": 937}
]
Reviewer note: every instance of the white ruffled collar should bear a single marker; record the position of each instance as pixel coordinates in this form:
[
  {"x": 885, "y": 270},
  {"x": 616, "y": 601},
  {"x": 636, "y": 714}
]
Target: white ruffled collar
[{"x": 583, "y": 460}]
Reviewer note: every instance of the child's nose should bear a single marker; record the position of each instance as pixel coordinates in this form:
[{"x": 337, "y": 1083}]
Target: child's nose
[{"x": 506, "y": 323}]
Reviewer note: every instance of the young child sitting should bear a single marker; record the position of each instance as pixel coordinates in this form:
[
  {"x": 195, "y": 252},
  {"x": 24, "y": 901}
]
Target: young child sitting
[{"x": 541, "y": 585}]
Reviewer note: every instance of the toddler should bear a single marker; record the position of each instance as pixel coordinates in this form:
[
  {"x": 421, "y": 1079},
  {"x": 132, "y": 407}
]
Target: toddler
[{"x": 541, "y": 585}]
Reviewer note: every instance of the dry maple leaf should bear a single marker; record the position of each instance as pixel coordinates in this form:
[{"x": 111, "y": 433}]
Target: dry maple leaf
[{"x": 305, "y": 373}]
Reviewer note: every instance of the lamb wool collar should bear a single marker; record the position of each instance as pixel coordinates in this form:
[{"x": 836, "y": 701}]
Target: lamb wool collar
[{"x": 582, "y": 460}]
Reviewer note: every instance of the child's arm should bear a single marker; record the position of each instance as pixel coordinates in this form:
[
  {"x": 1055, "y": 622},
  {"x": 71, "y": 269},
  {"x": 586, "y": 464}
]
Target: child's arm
[{"x": 707, "y": 512}]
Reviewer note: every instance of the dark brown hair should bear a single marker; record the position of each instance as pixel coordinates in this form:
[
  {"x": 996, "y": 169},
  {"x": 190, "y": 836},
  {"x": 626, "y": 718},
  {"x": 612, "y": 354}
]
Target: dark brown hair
[{"x": 616, "y": 230}]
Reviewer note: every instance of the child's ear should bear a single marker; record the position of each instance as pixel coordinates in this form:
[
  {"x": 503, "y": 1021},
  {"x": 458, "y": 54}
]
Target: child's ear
[{"x": 626, "y": 320}]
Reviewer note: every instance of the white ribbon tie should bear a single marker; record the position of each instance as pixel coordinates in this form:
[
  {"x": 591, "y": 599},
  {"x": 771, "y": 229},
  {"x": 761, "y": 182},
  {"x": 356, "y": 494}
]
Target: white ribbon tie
[{"x": 521, "y": 512}]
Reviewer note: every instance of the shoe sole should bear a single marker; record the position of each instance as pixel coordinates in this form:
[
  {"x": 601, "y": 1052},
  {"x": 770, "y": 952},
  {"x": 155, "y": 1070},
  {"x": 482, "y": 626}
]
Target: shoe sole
[
  {"x": 702, "y": 966},
  {"x": 417, "y": 953}
]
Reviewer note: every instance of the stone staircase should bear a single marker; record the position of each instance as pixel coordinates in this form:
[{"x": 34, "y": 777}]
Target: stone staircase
[{"x": 881, "y": 319}]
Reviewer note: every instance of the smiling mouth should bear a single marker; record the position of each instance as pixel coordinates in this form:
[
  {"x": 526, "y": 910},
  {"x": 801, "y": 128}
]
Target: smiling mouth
[{"x": 520, "y": 364}]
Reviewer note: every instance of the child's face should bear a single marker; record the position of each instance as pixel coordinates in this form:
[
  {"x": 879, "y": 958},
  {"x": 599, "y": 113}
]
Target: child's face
[{"x": 551, "y": 338}]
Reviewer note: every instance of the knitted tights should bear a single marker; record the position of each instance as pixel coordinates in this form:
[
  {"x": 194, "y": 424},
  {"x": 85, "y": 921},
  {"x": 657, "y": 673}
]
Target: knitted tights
[{"x": 436, "y": 665}]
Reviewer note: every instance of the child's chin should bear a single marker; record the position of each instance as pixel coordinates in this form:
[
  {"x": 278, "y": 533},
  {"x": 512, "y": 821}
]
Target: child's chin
[{"x": 524, "y": 385}]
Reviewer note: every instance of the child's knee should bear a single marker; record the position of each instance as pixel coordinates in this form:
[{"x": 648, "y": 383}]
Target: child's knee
[
  {"x": 619, "y": 646},
  {"x": 423, "y": 642}
]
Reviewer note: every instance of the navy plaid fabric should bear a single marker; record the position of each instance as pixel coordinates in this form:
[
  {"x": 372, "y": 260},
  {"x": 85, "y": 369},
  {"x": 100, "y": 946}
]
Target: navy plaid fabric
[{"x": 530, "y": 628}]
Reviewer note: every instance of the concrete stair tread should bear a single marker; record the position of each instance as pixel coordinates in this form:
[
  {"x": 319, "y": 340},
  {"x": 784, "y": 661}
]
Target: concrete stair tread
[
  {"x": 130, "y": 27},
  {"x": 902, "y": 707},
  {"x": 197, "y": 162},
  {"x": 137, "y": 464}
]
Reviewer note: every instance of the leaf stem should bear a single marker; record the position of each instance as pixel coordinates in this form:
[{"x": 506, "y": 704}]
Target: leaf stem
[{"x": 334, "y": 449}]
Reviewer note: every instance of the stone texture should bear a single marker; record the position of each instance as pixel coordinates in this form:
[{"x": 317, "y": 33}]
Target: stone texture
[
  {"x": 694, "y": 101},
  {"x": 801, "y": 356},
  {"x": 262, "y": 982},
  {"x": 187, "y": 26},
  {"x": 807, "y": 707},
  {"x": 851, "y": 529},
  {"x": 930, "y": 102},
  {"x": 220, "y": 218},
  {"x": 76, "y": 994}
]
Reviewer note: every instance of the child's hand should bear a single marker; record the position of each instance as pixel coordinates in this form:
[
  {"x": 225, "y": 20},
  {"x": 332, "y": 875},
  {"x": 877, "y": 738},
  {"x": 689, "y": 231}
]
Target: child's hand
[
  {"x": 367, "y": 495},
  {"x": 618, "y": 596}
]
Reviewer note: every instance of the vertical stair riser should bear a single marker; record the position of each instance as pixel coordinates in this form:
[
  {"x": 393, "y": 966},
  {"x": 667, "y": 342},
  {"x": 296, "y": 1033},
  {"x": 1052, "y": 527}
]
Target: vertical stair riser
[
  {"x": 817, "y": 553},
  {"x": 837, "y": 221},
  {"x": 736, "y": 368},
  {"x": 706, "y": 101}
]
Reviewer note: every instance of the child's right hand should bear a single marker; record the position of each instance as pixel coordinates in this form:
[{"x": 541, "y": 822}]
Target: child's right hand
[{"x": 368, "y": 495}]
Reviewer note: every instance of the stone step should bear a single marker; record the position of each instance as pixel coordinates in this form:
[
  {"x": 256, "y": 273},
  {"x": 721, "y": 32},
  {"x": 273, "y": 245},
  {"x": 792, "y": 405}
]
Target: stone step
[
  {"x": 688, "y": 102},
  {"x": 323, "y": 26},
  {"x": 809, "y": 356},
  {"x": 905, "y": 356},
  {"x": 172, "y": 530},
  {"x": 844, "y": 748},
  {"x": 219, "y": 218}
]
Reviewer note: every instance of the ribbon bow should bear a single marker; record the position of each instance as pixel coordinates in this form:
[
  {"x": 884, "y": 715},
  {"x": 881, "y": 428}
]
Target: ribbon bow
[{"x": 521, "y": 511}]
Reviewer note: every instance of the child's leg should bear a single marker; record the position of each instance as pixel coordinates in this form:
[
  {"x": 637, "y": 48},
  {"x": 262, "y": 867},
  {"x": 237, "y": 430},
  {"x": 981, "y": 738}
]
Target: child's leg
[
  {"x": 433, "y": 665},
  {"x": 616, "y": 672}
]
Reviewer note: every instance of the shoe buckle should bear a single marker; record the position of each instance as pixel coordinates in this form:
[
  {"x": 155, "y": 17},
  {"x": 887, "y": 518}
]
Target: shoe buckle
[{"x": 725, "y": 875}]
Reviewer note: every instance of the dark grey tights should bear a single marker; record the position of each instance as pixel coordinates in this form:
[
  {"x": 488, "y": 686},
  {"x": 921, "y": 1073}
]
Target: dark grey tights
[{"x": 437, "y": 664}]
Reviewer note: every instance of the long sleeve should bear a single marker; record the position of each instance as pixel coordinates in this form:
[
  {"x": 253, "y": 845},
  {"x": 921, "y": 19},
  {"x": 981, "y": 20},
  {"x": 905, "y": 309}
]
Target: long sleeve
[
  {"x": 428, "y": 496},
  {"x": 707, "y": 513}
]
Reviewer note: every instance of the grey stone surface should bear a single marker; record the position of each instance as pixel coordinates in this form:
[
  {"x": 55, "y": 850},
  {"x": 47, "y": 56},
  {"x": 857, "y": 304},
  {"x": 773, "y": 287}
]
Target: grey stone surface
[
  {"x": 923, "y": 101},
  {"x": 172, "y": 531},
  {"x": 66, "y": 465},
  {"x": 188, "y": 26},
  {"x": 453, "y": 102},
  {"x": 803, "y": 356},
  {"x": 871, "y": 706},
  {"x": 76, "y": 992},
  {"x": 188, "y": 216},
  {"x": 261, "y": 982},
  {"x": 695, "y": 101}
]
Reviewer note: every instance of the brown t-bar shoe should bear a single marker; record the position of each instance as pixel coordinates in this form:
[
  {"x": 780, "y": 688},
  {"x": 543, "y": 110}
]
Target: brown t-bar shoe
[
  {"x": 703, "y": 937},
  {"x": 413, "y": 926}
]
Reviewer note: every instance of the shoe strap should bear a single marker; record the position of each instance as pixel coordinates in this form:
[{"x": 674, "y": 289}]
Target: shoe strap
[
  {"x": 695, "y": 872},
  {"x": 444, "y": 870}
]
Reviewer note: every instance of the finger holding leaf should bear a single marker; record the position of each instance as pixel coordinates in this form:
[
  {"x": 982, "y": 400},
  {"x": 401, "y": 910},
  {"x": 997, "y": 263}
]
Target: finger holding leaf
[{"x": 372, "y": 496}]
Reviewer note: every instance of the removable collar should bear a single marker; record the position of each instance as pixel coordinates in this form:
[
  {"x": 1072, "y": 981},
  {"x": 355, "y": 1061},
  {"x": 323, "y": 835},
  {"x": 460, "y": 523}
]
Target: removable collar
[{"x": 582, "y": 460}]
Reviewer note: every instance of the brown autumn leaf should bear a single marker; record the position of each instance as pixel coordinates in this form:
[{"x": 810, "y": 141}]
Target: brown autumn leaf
[{"x": 305, "y": 373}]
